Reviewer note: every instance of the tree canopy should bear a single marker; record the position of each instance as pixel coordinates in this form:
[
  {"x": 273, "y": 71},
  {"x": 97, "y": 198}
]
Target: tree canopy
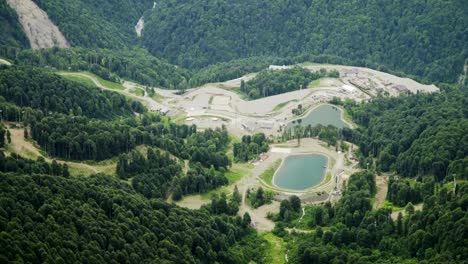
[{"x": 423, "y": 38}]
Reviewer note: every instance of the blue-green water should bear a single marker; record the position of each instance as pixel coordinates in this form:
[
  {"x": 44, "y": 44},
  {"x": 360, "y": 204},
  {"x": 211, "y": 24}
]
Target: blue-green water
[
  {"x": 325, "y": 115},
  {"x": 300, "y": 172}
]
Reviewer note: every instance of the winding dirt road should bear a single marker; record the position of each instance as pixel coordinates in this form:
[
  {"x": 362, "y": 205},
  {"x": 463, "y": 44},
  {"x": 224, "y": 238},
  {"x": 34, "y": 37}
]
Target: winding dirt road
[{"x": 149, "y": 102}]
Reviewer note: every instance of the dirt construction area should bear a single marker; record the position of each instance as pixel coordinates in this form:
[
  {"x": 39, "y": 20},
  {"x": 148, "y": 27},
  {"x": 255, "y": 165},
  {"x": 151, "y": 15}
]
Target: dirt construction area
[
  {"x": 268, "y": 114},
  {"x": 216, "y": 104}
]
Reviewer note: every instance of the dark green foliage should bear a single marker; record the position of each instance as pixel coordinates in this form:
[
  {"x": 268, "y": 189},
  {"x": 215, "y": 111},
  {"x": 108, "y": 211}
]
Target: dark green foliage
[
  {"x": 134, "y": 64},
  {"x": 101, "y": 220},
  {"x": 367, "y": 236},
  {"x": 2, "y": 135},
  {"x": 260, "y": 197},
  {"x": 225, "y": 71},
  {"x": 289, "y": 209},
  {"x": 356, "y": 200},
  {"x": 151, "y": 176},
  {"x": 39, "y": 89},
  {"x": 424, "y": 38},
  {"x": 295, "y": 203},
  {"x": 200, "y": 179},
  {"x": 81, "y": 138},
  {"x": 12, "y": 36},
  {"x": 15, "y": 163},
  {"x": 97, "y": 24},
  {"x": 272, "y": 82},
  {"x": 208, "y": 148},
  {"x": 221, "y": 205},
  {"x": 250, "y": 147},
  {"x": 329, "y": 134},
  {"x": 423, "y": 134},
  {"x": 403, "y": 191}
]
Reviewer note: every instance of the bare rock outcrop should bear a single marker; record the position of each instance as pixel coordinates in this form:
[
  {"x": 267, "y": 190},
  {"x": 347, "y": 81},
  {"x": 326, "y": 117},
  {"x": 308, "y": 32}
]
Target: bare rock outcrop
[{"x": 40, "y": 30}]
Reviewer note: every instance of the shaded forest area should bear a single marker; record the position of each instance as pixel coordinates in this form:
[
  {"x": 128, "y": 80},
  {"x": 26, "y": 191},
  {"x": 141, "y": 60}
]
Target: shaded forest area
[
  {"x": 415, "y": 135},
  {"x": 12, "y": 37},
  {"x": 422, "y": 38},
  {"x": 351, "y": 232},
  {"x": 102, "y": 220},
  {"x": 113, "y": 65}
]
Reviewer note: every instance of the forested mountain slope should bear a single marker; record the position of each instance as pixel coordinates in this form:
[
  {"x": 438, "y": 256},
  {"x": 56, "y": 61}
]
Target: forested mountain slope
[
  {"x": 72, "y": 121},
  {"x": 46, "y": 215},
  {"x": 416, "y": 135},
  {"x": 132, "y": 64},
  {"x": 424, "y": 38},
  {"x": 11, "y": 33},
  {"x": 39, "y": 89},
  {"x": 98, "y": 219},
  {"x": 97, "y": 24},
  {"x": 351, "y": 232}
]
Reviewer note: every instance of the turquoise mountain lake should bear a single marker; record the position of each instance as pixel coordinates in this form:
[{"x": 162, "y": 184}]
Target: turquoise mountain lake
[
  {"x": 325, "y": 115},
  {"x": 300, "y": 172}
]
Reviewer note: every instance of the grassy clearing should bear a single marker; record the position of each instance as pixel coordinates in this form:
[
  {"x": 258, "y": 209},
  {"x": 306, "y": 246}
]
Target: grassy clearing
[
  {"x": 230, "y": 148},
  {"x": 179, "y": 119},
  {"x": 105, "y": 83},
  {"x": 388, "y": 204},
  {"x": 6, "y": 62},
  {"x": 241, "y": 94},
  {"x": 347, "y": 117},
  {"x": 315, "y": 83},
  {"x": 277, "y": 248},
  {"x": 79, "y": 79},
  {"x": 280, "y": 106},
  {"x": 237, "y": 172},
  {"x": 28, "y": 148},
  {"x": 108, "y": 84},
  {"x": 138, "y": 92},
  {"x": 157, "y": 97},
  {"x": 305, "y": 64},
  {"x": 267, "y": 175}
]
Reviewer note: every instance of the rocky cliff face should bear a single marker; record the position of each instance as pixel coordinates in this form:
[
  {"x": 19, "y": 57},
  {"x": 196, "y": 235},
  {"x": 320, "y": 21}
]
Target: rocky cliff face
[{"x": 40, "y": 30}]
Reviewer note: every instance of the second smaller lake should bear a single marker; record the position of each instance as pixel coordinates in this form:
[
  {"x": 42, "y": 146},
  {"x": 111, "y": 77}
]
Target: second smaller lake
[
  {"x": 300, "y": 172},
  {"x": 324, "y": 115}
]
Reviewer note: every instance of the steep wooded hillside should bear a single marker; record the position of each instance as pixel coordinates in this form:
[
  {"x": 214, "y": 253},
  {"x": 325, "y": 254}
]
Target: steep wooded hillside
[
  {"x": 97, "y": 24},
  {"x": 424, "y": 38},
  {"x": 11, "y": 33}
]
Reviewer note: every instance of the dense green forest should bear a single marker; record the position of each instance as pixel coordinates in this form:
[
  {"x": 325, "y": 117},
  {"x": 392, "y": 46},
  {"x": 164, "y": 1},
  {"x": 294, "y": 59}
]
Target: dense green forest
[
  {"x": 272, "y": 82},
  {"x": 123, "y": 222},
  {"x": 250, "y": 147},
  {"x": 39, "y": 89},
  {"x": 18, "y": 164},
  {"x": 158, "y": 173},
  {"x": 97, "y": 24},
  {"x": 415, "y": 135},
  {"x": 101, "y": 220},
  {"x": 419, "y": 37},
  {"x": 77, "y": 122},
  {"x": 12, "y": 36},
  {"x": 351, "y": 232},
  {"x": 133, "y": 64},
  {"x": 82, "y": 138},
  {"x": 225, "y": 71}
]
